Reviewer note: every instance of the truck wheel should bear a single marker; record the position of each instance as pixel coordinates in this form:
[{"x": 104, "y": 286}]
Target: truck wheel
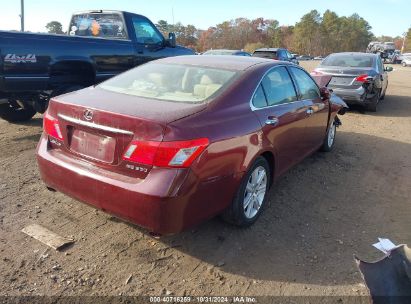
[
  {"x": 251, "y": 195},
  {"x": 15, "y": 113},
  {"x": 329, "y": 139}
]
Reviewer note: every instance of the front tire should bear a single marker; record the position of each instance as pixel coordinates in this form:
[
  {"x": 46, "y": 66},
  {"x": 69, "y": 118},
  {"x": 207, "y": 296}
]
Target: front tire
[
  {"x": 15, "y": 113},
  {"x": 251, "y": 196},
  {"x": 329, "y": 139}
]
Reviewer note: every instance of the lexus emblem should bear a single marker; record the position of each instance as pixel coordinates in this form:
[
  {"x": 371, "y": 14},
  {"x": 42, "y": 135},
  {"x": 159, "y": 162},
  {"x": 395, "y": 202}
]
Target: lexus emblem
[{"x": 88, "y": 115}]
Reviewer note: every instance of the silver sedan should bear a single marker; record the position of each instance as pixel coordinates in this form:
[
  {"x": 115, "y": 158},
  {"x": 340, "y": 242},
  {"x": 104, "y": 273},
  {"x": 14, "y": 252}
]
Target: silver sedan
[{"x": 358, "y": 78}]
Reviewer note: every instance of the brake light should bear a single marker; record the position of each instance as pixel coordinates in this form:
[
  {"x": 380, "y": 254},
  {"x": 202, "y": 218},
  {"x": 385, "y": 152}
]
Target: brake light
[
  {"x": 362, "y": 78},
  {"x": 176, "y": 154},
  {"x": 51, "y": 126}
]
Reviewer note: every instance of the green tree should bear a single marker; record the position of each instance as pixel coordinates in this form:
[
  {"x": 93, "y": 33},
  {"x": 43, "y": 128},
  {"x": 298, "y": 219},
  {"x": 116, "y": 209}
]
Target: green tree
[
  {"x": 251, "y": 47},
  {"x": 164, "y": 27},
  {"x": 308, "y": 34},
  {"x": 54, "y": 27},
  {"x": 330, "y": 39}
]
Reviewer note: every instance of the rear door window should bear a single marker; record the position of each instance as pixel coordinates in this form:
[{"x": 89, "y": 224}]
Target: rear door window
[
  {"x": 98, "y": 25},
  {"x": 308, "y": 88},
  {"x": 380, "y": 65},
  {"x": 278, "y": 87},
  {"x": 259, "y": 100}
]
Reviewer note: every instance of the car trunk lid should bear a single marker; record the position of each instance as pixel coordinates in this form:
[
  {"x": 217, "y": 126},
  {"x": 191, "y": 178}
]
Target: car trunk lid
[
  {"x": 99, "y": 126},
  {"x": 342, "y": 77}
]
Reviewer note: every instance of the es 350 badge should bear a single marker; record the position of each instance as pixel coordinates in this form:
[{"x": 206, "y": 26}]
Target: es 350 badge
[{"x": 13, "y": 58}]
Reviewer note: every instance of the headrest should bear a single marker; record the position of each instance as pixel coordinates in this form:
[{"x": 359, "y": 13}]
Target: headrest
[{"x": 206, "y": 80}]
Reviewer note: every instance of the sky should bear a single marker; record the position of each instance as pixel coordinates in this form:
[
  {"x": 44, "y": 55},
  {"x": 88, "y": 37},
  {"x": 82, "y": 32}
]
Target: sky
[{"x": 387, "y": 17}]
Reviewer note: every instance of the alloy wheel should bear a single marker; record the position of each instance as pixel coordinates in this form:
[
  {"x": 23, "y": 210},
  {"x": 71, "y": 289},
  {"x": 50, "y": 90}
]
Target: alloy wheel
[
  {"x": 255, "y": 192},
  {"x": 331, "y": 135}
]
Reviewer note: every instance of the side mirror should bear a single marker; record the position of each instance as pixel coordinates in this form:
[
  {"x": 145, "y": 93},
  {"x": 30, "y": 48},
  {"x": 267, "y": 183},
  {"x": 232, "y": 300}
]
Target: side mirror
[
  {"x": 172, "y": 40},
  {"x": 388, "y": 69},
  {"x": 325, "y": 93}
]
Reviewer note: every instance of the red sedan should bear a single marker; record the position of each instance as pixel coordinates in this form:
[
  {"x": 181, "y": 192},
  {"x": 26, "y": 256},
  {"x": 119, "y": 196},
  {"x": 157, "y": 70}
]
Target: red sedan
[{"x": 177, "y": 141}]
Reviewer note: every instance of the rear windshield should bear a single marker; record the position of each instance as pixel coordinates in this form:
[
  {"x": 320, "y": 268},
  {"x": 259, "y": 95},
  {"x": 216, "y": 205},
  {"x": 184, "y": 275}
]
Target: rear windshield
[
  {"x": 354, "y": 61},
  {"x": 98, "y": 25},
  {"x": 171, "y": 82},
  {"x": 265, "y": 54}
]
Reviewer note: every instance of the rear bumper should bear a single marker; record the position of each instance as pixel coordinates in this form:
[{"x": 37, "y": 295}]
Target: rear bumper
[
  {"x": 350, "y": 95},
  {"x": 167, "y": 201}
]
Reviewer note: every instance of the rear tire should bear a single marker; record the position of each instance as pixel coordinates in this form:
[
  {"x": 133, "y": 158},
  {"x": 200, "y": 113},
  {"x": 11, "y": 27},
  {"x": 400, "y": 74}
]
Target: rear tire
[
  {"x": 13, "y": 113},
  {"x": 371, "y": 106},
  {"x": 251, "y": 196}
]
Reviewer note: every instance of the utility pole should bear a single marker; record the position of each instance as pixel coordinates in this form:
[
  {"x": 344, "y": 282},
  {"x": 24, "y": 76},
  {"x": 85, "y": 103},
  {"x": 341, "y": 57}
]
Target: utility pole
[
  {"x": 22, "y": 15},
  {"x": 403, "y": 43}
]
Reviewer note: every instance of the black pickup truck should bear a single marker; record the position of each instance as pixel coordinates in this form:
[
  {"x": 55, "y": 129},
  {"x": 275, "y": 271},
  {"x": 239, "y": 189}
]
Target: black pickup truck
[{"x": 98, "y": 45}]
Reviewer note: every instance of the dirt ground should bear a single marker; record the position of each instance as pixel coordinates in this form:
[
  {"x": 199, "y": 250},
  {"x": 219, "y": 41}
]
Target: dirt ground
[{"x": 325, "y": 210}]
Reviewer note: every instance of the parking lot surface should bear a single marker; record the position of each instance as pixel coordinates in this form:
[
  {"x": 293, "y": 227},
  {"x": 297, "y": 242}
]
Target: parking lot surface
[{"x": 325, "y": 210}]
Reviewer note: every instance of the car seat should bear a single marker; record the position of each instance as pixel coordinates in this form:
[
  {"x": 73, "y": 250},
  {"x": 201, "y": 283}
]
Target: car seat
[{"x": 206, "y": 87}]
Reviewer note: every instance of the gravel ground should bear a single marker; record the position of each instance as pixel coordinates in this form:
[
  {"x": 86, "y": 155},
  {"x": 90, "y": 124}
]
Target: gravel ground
[{"x": 326, "y": 209}]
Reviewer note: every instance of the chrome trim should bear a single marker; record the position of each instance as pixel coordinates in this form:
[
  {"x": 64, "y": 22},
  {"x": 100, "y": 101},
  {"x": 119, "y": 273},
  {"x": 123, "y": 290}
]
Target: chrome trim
[
  {"x": 94, "y": 126},
  {"x": 26, "y": 77},
  {"x": 253, "y": 108},
  {"x": 272, "y": 121},
  {"x": 4, "y": 101},
  {"x": 106, "y": 74}
]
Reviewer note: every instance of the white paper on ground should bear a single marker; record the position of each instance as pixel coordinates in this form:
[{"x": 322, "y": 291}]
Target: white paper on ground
[{"x": 385, "y": 245}]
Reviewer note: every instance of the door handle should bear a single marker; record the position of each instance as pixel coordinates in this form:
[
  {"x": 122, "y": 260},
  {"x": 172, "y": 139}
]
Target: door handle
[
  {"x": 310, "y": 111},
  {"x": 272, "y": 121}
]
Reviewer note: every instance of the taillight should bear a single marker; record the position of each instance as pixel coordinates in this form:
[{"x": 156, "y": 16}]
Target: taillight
[
  {"x": 177, "y": 154},
  {"x": 51, "y": 126},
  {"x": 362, "y": 78}
]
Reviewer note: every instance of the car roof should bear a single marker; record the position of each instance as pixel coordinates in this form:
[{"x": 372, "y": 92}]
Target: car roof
[
  {"x": 237, "y": 63},
  {"x": 268, "y": 49},
  {"x": 355, "y": 53},
  {"x": 222, "y": 50}
]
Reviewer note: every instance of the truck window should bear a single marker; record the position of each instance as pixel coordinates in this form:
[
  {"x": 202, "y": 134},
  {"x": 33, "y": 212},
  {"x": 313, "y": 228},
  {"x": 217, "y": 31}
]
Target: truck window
[
  {"x": 98, "y": 25},
  {"x": 145, "y": 32}
]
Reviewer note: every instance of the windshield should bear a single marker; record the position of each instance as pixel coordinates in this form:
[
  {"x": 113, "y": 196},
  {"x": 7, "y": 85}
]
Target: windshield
[
  {"x": 98, "y": 25},
  {"x": 171, "y": 82},
  {"x": 348, "y": 60}
]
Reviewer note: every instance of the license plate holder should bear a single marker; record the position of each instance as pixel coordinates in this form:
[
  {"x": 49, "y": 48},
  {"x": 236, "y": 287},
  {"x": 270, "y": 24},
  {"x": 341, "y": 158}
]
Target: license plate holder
[
  {"x": 95, "y": 146},
  {"x": 341, "y": 81}
]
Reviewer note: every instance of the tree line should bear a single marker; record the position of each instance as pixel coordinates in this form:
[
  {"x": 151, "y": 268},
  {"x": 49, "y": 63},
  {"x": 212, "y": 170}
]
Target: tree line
[{"x": 314, "y": 34}]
